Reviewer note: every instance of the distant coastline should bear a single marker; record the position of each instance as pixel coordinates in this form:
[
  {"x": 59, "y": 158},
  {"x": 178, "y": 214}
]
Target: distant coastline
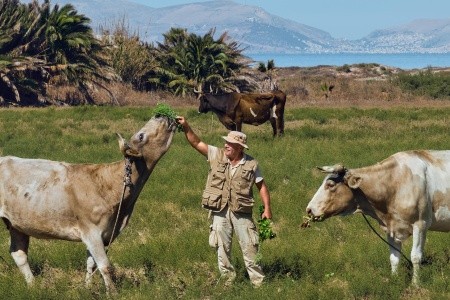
[{"x": 405, "y": 61}]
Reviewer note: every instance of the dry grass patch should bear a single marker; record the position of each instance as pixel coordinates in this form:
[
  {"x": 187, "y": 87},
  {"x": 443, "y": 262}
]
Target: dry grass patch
[{"x": 361, "y": 85}]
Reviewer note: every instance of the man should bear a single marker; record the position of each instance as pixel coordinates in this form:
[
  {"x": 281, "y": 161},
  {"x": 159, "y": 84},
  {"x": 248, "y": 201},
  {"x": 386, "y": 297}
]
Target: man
[{"x": 228, "y": 196}]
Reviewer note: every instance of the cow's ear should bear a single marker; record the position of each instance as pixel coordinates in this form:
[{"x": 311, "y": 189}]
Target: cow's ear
[
  {"x": 133, "y": 152},
  {"x": 126, "y": 149},
  {"x": 123, "y": 145},
  {"x": 353, "y": 181}
]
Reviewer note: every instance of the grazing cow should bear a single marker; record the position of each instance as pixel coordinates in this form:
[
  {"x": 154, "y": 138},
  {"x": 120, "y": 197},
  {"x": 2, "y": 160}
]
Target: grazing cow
[
  {"x": 407, "y": 193},
  {"x": 233, "y": 109},
  {"x": 90, "y": 203}
]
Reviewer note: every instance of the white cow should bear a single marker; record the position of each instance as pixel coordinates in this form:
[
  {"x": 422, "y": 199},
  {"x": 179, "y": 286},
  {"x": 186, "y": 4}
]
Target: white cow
[
  {"x": 78, "y": 202},
  {"x": 407, "y": 193}
]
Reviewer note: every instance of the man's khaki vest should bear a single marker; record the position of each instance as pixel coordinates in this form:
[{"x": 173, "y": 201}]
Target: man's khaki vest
[{"x": 221, "y": 190}]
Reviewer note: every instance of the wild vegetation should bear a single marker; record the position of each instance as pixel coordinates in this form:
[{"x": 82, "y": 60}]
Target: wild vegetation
[
  {"x": 164, "y": 252},
  {"x": 426, "y": 83},
  {"x": 49, "y": 55},
  {"x": 45, "y": 48},
  {"x": 41, "y": 46}
]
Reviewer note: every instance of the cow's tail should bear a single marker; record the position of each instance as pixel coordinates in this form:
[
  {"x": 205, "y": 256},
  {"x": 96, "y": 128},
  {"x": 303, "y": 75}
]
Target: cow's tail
[
  {"x": 277, "y": 111},
  {"x": 273, "y": 110}
]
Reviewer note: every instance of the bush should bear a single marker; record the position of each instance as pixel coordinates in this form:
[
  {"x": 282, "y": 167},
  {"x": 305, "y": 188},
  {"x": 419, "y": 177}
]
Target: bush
[{"x": 425, "y": 83}]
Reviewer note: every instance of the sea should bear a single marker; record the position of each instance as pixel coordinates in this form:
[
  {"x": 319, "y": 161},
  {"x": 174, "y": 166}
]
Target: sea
[{"x": 405, "y": 61}]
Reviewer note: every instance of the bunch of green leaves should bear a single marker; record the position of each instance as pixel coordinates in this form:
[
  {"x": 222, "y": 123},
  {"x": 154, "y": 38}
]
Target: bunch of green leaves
[
  {"x": 265, "y": 227},
  {"x": 164, "y": 110},
  {"x": 265, "y": 232}
]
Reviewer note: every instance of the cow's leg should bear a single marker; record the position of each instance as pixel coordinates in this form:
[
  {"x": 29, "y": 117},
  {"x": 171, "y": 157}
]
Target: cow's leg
[
  {"x": 227, "y": 122},
  {"x": 394, "y": 253},
  {"x": 238, "y": 126},
  {"x": 91, "y": 266},
  {"x": 19, "y": 252},
  {"x": 273, "y": 122},
  {"x": 419, "y": 235},
  {"x": 280, "y": 122},
  {"x": 95, "y": 247},
  {"x": 277, "y": 120}
]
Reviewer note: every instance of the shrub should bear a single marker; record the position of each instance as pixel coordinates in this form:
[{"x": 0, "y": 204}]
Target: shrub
[{"x": 425, "y": 83}]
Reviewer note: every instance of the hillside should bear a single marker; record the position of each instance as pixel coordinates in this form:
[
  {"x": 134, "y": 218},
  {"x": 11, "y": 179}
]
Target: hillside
[
  {"x": 418, "y": 36},
  {"x": 259, "y": 31}
]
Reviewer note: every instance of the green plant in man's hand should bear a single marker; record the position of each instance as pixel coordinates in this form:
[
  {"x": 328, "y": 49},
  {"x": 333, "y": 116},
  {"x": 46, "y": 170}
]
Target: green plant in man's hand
[
  {"x": 265, "y": 232},
  {"x": 164, "y": 110},
  {"x": 265, "y": 227}
]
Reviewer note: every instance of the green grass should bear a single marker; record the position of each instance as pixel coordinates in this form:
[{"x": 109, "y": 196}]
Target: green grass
[{"x": 164, "y": 252}]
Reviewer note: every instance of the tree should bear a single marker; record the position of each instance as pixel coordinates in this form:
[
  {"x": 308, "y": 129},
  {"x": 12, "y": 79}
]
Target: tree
[
  {"x": 270, "y": 82},
  {"x": 21, "y": 74},
  {"x": 73, "y": 52},
  {"x": 189, "y": 61},
  {"x": 39, "y": 44},
  {"x": 131, "y": 59}
]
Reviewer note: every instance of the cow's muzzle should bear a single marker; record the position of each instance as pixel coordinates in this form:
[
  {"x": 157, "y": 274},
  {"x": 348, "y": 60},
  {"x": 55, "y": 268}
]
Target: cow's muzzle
[{"x": 312, "y": 217}]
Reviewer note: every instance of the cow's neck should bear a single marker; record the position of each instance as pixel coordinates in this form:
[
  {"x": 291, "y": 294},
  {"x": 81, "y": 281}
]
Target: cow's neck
[
  {"x": 218, "y": 111},
  {"x": 219, "y": 103},
  {"x": 139, "y": 173},
  {"x": 373, "y": 194},
  {"x": 365, "y": 206}
]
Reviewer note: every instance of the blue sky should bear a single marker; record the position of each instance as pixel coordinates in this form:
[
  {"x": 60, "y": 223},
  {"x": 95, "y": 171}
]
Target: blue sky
[{"x": 351, "y": 19}]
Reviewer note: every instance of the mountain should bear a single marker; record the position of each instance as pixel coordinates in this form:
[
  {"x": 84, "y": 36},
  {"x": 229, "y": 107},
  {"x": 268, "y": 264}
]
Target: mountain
[
  {"x": 258, "y": 31},
  {"x": 253, "y": 27},
  {"x": 421, "y": 36}
]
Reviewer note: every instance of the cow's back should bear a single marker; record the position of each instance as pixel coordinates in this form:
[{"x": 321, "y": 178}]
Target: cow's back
[
  {"x": 280, "y": 97},
  {"x": 31, "y": 190},
  {"x": 30, "y": 173},
  {"x": 437, "y": 168}
]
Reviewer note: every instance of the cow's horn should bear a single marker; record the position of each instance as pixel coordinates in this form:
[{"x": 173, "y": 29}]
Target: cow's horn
[
  {"x": 336, "y": 169},
  {"x": 339, "y": 169},
  {"x": 199, "y": 90}
]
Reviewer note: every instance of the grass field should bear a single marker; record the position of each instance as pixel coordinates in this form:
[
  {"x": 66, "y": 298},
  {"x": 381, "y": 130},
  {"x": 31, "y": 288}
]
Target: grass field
[{"x": 164, "y": 252}]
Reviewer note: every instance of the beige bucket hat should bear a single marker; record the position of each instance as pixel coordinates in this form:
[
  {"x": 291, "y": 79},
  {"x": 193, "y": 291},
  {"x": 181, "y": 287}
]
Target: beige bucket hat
[{"x": 236, "y": 137}]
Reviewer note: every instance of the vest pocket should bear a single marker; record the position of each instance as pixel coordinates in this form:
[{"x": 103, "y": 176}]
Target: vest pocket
[
  {"x": 247, "y": 174},
  {"x": 243, "y": 205},
  {"x": 211, "y": 201},
  {"x": 218, "y": 180}
]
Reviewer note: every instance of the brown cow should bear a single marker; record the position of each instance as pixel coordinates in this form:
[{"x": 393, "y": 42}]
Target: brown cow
[
  {"x": 233, "y": 109},
  {"x": 78, "y": 202}
]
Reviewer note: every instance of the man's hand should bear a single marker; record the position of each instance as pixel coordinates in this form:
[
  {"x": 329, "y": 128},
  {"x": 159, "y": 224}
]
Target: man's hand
[{"x": 180, "y": 120}]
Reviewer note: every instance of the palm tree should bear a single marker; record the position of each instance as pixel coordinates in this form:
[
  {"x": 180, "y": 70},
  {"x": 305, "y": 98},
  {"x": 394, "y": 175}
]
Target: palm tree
[
  {"x": 38, "y": 43},
  {"x": 20, "y": 28},
  {"x": 270, "y": 82},
  {"x": 188, "y": 61},
  {"x": 73, "y": 51}
]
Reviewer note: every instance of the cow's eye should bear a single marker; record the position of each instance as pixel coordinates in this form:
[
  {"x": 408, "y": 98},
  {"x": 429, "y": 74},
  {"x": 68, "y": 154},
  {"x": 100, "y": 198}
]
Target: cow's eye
[{"x": 141, "y": 137}]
